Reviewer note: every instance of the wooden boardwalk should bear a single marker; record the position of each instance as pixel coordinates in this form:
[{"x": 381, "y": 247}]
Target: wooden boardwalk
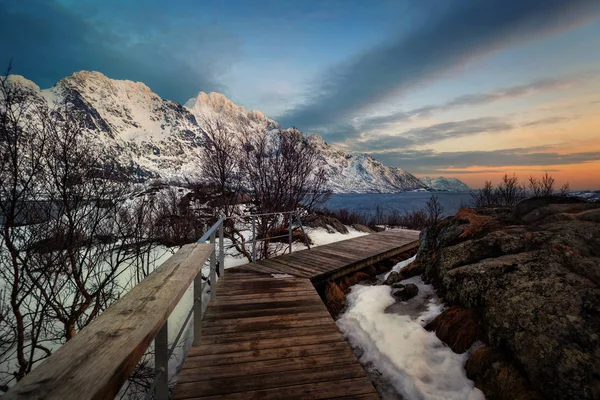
[{"x": 269, "y": 337}]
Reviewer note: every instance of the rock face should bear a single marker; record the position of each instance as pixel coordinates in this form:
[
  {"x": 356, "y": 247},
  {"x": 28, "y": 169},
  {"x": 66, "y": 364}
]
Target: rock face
[{"x": 533, "y": 275}]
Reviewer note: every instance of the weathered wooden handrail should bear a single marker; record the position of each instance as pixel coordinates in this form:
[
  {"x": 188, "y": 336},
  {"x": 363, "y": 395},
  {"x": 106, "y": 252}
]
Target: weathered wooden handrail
[{"x": 98, "y": 360}]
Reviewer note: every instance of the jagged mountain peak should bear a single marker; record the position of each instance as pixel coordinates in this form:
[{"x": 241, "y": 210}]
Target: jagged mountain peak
[
  {"x": 22, "y": 81},
  {"x": 214, "y": 102},
  {"x": 93, "y": 82},
  {"x": 157, "y": 138}
]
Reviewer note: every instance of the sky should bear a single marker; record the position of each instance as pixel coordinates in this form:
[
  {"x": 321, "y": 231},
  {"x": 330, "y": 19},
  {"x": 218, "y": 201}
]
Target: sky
[{"x": 455, "y": 88}]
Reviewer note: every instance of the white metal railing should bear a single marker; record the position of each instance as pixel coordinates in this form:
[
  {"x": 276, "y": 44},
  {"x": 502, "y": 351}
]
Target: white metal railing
[{"x": 291, "y": 215}]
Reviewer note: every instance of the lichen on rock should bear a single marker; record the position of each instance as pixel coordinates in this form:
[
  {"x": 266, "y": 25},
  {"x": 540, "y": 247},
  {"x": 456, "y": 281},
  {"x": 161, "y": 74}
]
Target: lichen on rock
[{"x": 532, "y": 274}]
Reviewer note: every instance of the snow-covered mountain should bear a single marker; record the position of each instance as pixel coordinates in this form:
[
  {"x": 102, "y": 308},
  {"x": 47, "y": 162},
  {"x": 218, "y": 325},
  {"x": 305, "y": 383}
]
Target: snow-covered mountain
[
  {"x": 445, "y": 184},
  {"x": 157, "y": 138}
]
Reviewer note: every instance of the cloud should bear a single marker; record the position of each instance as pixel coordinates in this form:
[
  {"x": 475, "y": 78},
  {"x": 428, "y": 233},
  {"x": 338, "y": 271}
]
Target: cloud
[
  {"x": 546, "y": 121},
  {"x": 344, "y": 131},
  {"x": 174, "y": 58},
  {"x": 477, "y": 99},
  {"x": 430, "y": 134},
  {"x": 429, "y": 161},
  {"x": 467, "y": 30}
]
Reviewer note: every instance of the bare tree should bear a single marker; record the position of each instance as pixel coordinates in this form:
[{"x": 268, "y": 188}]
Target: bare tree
[
  {"x": 282, "y": 171},
  {"x": 435, "y": 210},
  {"x": 564, "y": 189},
  {"x": 220, "y": 163},
  {"x": 485, "y": 196},
  {"x": 23, "y": 139},
  {"x": 67, "y": 234},
  {"x": 509, "y": 193}
]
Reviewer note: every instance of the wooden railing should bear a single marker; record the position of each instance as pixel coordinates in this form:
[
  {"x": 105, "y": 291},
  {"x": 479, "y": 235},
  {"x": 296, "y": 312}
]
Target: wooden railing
[
  {"x": 96, "y": 363},
  {"x": 98, "y": 360}
]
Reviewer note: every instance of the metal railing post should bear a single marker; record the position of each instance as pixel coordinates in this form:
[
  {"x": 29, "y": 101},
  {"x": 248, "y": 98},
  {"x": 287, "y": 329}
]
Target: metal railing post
[
  {"x": 213, "y": 272},
  {"x": 161, "y": 362},
  {"x": 291, "y": 230},
  {"x": 302, "y": 229},
  {"x": 253, "y": 238},
  {"x": 197, "y": 309},
  {"x": 221, "y": 251}
]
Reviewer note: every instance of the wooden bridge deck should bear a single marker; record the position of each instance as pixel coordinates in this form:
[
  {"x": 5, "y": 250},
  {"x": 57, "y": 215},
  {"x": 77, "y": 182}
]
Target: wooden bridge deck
[{"x": 269, "y": 337}]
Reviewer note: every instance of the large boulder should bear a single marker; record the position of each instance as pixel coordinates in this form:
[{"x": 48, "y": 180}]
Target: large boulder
[{"x": 534, "y": 278}]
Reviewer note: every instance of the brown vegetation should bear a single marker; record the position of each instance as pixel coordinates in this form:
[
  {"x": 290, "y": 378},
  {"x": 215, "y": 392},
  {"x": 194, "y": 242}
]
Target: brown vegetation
[
  {"x": 480, "y": 361},
  {"x": 458, "y": 327},
  {"x": 335, "y": 298},
  {"x": 477, "y": 224},
  {"x": 502, "y": 381}
]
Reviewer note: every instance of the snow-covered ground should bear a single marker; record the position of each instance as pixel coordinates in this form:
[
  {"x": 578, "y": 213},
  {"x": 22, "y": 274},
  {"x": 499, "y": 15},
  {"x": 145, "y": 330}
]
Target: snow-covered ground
[{"x": 390, "y": 339}]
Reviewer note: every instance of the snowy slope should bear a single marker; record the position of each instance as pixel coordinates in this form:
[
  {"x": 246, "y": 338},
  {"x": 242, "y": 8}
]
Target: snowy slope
[
  {"x": 445, "y": 184},
  {"x": 157, "y": 138}
]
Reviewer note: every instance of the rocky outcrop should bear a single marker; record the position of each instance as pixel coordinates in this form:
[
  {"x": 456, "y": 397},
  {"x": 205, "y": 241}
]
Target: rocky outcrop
[
  {"x": 330, "y": 224},
  {"x": 532, "y": 274}
]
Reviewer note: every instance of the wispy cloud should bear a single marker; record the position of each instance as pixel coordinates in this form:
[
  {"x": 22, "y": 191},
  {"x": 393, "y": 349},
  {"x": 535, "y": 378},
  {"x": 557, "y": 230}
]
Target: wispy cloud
[
  {"x": 510, "y": 92},
  {"x": 430, "y": 134},
  {"x": 546, "y": 121},
  {"x": 345, "y": 131},
  {"x": 429, "y": 161},
  {"x": 468, "y": 30}
]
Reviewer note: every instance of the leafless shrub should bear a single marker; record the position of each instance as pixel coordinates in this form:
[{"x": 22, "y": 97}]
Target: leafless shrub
[
  {"x": 543, "y": 186},
  {"x": 435, "y": 210},
  {"x": 508, "y": 193}
]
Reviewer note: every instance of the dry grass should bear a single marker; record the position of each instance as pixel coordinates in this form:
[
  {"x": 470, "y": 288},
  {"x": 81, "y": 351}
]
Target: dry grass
[
  {"x": 504, "y": 382},
  {"x": 412, "y": 269},
  {"x": 356, "y": 278},
  {"x": 335, "y": 298},
  {"x": 478, "y": 224},
  {"x": 480, "y": 361},
  {"x": 458, "y": 327}
]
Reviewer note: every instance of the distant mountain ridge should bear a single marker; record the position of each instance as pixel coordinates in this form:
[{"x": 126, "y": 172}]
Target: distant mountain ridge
[
  {"x": 158, "y": 138},
  {"x": 445, "y": 184}
]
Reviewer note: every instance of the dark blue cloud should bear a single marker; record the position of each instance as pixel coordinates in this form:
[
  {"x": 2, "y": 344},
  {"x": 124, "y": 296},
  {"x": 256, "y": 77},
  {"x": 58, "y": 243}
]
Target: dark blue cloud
[
  {"x": 466, "y": 30},
  {"x": 48, "y": 40}
]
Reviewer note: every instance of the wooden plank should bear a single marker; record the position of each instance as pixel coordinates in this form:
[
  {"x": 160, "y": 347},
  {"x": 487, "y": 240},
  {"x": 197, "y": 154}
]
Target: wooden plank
[
  {"x": 255, "y": 345},
  {"x": 326, "y": 327},
  {"x": 267, "y": 296},
  {"x": 267, "y": 381},
  {"x": 286, "y": 267},
  {"x": 262, "y": 326},
  {"x": 270, "y": 312},
  {"x": 367, "y": 396},
  {"x": 101, "y": 357},
  {"x": 257, "y": 299},
  {"x": 213, "y": 323},
  {"x": 272, "y": 305},
  {"x": 271, "y": 366},
  {"x": 310, "y": 391},
  {"x": 263, "y": 355}
]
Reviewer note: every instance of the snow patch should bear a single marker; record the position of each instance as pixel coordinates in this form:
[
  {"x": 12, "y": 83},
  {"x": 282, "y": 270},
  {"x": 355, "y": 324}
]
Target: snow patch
[
  {"x": 400, "y": 265},
  {"x": 281, "y": 276},
  {"x": 413, "y": 360}
]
